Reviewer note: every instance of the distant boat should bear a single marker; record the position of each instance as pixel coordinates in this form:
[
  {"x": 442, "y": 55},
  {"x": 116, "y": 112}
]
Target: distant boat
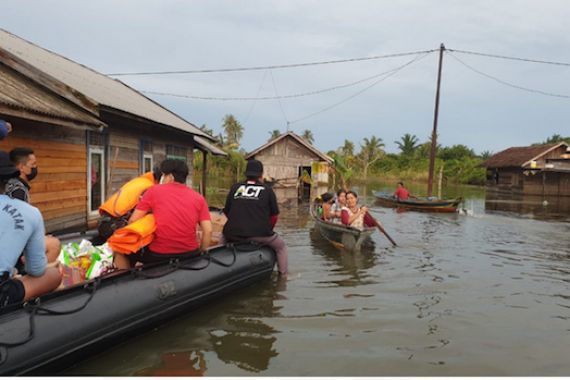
[
  {"x": 342, "y": 236},
  {"x": 429, "y": 204}
]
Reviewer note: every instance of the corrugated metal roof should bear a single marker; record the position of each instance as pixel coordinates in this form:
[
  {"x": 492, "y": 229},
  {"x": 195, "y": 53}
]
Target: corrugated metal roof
[
  {"x": 19, "y": 93},
  {"x": 518, "y": 156},
  {"x": 202, "y": 143},
  {"x": 296, "y": 137},
  {"x": 102, "y": 89}
]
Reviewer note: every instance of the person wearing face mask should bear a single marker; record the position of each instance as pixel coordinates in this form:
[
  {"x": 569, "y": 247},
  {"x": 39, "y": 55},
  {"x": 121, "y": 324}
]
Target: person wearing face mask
[
  {"x": 177, "y": 210},
  {"x": 25, "y": 161}
]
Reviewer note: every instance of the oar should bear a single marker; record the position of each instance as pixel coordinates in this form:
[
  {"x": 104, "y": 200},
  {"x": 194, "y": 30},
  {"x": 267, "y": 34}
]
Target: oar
[{"x": 383, "y": 230}]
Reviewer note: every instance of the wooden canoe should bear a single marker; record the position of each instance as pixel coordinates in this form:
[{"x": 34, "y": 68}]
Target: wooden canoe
[
  {"x": 428, "y": 204},
  {"x": 342, "y": 236}
]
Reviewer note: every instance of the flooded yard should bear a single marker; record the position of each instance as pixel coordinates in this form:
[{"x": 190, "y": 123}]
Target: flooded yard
[{"x": 482, "y": 292}]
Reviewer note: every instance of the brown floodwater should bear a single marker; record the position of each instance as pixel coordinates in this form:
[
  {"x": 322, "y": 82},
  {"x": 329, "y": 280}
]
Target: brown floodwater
[{"x": 482, "y": 292}]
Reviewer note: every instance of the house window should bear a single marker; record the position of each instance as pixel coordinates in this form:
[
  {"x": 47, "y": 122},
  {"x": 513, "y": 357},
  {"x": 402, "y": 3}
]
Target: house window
[
  {"x": 96, "y": 178},
  {"x": 147, "y": 161},
  {"x": 176, "y": 153}
]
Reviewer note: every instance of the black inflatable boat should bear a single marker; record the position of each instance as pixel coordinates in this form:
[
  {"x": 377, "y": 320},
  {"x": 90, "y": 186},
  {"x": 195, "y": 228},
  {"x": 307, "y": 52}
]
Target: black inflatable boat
[{"x": 52, "y": 332}]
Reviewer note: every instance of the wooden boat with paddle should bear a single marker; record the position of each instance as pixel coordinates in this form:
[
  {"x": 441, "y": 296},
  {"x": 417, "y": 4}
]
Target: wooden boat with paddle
[
  {"x": 427, "y": 204},
  {"x": 342, "y": 236}
]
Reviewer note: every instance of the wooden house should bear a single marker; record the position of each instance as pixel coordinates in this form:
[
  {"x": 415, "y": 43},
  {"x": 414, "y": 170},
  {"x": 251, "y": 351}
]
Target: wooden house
[
  {"x": 297, "y": 169},
  {"x": 90, "y": 133},
  {"x": 532, "y": 170}
]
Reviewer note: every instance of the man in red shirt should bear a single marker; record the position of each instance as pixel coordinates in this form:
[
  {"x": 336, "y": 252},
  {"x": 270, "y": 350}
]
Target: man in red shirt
[
  {"x": 401, "y": 192},
  {"x": 177, "y": 210}
]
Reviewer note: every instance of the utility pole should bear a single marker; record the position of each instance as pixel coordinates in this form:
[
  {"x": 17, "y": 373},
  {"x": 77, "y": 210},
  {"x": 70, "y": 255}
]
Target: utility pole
[{"x": 434, "y": 132}]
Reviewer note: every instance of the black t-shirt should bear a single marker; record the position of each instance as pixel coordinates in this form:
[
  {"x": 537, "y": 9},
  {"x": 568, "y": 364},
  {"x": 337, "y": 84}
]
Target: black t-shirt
[{"x": 249, "y": 207}]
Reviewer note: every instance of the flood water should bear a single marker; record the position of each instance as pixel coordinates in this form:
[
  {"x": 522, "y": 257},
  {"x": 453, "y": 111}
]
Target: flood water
[{"x": 484, "y": 292}]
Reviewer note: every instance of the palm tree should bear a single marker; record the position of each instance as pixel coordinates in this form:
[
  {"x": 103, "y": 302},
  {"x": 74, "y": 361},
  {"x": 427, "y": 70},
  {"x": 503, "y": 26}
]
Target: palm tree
[
  {"x": 486, "y": 154},
  {"x": 308, "y": 136},
  {"x": 347, "y": 149},
  {"x": 408, "y": 145},
  {"x": 370, "y": 152},
  {"x": 233, "y": 129},
  {"x": 274, "y": 134}
]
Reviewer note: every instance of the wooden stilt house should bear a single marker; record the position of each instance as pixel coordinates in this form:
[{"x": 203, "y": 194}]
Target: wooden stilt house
[
  {"x": 297, "y": 169},
  {"x": 532, "y": 170},
  {"x": 90, "y": 133}
]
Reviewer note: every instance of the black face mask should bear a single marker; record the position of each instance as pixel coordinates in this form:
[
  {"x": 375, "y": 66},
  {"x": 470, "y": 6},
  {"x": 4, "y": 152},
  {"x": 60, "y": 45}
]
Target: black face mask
[{"x": 33, "y": 174}]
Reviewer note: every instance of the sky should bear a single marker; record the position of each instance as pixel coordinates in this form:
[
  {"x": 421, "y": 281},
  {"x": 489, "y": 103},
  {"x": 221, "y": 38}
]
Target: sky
[{"x": 485, "y": 114}]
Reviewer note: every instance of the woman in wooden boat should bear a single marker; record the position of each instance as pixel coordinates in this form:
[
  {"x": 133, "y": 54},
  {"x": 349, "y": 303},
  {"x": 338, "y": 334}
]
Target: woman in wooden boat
[
  {"x": 355, "y": 216},
  {"x": 401, "y": 192}
]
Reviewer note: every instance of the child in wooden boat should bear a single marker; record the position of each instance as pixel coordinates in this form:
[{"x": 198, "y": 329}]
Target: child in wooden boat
[
  {"x": 355, "y": 216},
  {"x": 401, "y": 192},
  {"x": 338, "y": 204},
  {"x": 328, "y": 200},
  {"x": 21, "y": 230}
]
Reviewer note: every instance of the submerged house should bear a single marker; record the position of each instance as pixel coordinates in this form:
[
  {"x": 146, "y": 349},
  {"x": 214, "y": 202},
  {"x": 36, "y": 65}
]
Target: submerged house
[
  {"x": 297, "y": 169},
  {"x": 90, "y": 133},
  {"x": 532, "y": 170}
]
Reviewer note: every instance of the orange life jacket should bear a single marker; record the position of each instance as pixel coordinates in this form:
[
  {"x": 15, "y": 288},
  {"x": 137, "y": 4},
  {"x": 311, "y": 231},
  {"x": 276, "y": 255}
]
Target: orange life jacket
[
  {"x": 128, "y": 196},
  {"x": 133, "y": 237}
]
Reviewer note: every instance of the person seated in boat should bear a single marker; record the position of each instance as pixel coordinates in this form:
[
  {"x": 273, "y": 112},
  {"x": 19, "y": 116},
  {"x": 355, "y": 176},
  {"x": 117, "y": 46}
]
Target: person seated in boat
[
  {"x": 21, "y": 230},
  {"x": 401, "y": 192},
  {"x": 252, "y": 211},
  {"x": 177, "y": 210},
  {"x": 355, "y": 216},
  {"x": 338, "y": 204},
  {"x": 25, "y": 161},
  {"x": 328, "y": 200}
]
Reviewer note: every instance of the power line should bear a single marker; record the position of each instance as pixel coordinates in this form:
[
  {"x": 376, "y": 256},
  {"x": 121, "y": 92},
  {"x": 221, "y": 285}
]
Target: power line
[
  {"x": 272, "y": 67},
  {"x": 279, "y": 100},
  {"x": 290, "y": 96},
  {"x": 394, "y": 72},
  {"x": 509, "y": 84},
  {"x": 509, "y": 58}
]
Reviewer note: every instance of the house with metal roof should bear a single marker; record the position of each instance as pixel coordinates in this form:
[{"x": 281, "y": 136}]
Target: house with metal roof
[
  {"x": 531, "y": 170},
  {"x": 296, "y": 168},
  {"x": 91, "y": 133}
]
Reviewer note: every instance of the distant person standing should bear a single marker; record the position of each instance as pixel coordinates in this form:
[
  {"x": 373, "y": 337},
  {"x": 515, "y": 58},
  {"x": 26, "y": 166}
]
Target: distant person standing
[
  {"x": 401, "y": 192},
  {"x": 252, "y": 211},
  {"x": 5, "y": 128}
]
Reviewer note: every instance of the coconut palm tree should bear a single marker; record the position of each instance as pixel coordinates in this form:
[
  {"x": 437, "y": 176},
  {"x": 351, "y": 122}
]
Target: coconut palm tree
[
  {"x": 308, "y": 136},
  {"x": 408, "y": 144},
  {"x": 370, "y": 152},
  {"x": 347, "y": 150},
  {"x": 274, "y": 134},
  {"x": 233, "y": 129}
]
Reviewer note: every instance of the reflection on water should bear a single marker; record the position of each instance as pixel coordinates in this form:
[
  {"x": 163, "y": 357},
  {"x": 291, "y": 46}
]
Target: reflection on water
[
  {"x": 481, "y": 293},
  {"x": 536, "y": 207}
]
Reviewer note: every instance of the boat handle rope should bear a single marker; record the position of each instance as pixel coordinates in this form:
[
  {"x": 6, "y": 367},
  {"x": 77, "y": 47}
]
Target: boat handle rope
[{"x": 33, "y": 308}]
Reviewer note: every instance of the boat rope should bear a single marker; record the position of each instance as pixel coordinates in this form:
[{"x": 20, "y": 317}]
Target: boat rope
[{"x": 34, "y": 308}]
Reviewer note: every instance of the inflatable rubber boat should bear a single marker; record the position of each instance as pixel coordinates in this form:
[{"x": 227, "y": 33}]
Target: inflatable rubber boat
[{"x": 52, "y": 332}]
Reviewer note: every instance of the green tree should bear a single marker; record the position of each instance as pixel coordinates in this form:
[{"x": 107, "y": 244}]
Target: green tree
[
  {"x": 342, "y": 171},
  {"x": 274, "y": 134},
  {"x": 347, "y": 149},
  {"x": 308, "y": 136},
  {"x": 556, "y": 138},
  {"x": 408, "y": 144},
  {"x": 233, "y": 130},
  {"x": 485, "y": 155},
  {"x": 370, "y": 152}
]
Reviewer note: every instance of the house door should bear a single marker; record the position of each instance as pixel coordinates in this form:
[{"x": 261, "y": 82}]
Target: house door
[{"x": 304, "y": 183}]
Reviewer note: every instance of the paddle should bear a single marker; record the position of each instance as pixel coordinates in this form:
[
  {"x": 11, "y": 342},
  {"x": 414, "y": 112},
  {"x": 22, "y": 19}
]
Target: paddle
[{"x": 382, "y": 230}]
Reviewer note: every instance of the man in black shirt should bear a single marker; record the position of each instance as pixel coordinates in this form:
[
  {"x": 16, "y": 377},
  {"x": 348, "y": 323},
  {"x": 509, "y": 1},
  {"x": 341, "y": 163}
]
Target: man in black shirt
[{"x": 251, "y": 208}]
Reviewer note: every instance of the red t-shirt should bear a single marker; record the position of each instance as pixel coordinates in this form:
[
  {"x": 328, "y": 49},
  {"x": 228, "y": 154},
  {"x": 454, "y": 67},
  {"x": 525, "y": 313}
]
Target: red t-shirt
[
  {"x": 402, "y": 193},
  {"x": 177, "y": 209}
]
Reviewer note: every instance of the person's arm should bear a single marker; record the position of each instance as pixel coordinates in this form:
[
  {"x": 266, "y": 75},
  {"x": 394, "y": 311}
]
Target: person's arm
[
  {"x": 35, "y": 251},
  {"x": 273, "y": 220},
  {"x": 137, "y": 214},
  {"x": 206, "y": 227},
  {"x": 273, "y": 208},
  {"x": 327, "y": 211}
]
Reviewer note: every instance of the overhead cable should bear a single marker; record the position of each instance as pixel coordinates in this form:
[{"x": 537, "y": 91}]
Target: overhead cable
[
  {"x": 272, "y": 67},
  {"x": 527, "y": 89},
  {"x": 509, "y": 58},
  {"x": 290, "y": 96},
  {"x": 279, "y": 100},
  {"x": 394, "y": 72}
]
